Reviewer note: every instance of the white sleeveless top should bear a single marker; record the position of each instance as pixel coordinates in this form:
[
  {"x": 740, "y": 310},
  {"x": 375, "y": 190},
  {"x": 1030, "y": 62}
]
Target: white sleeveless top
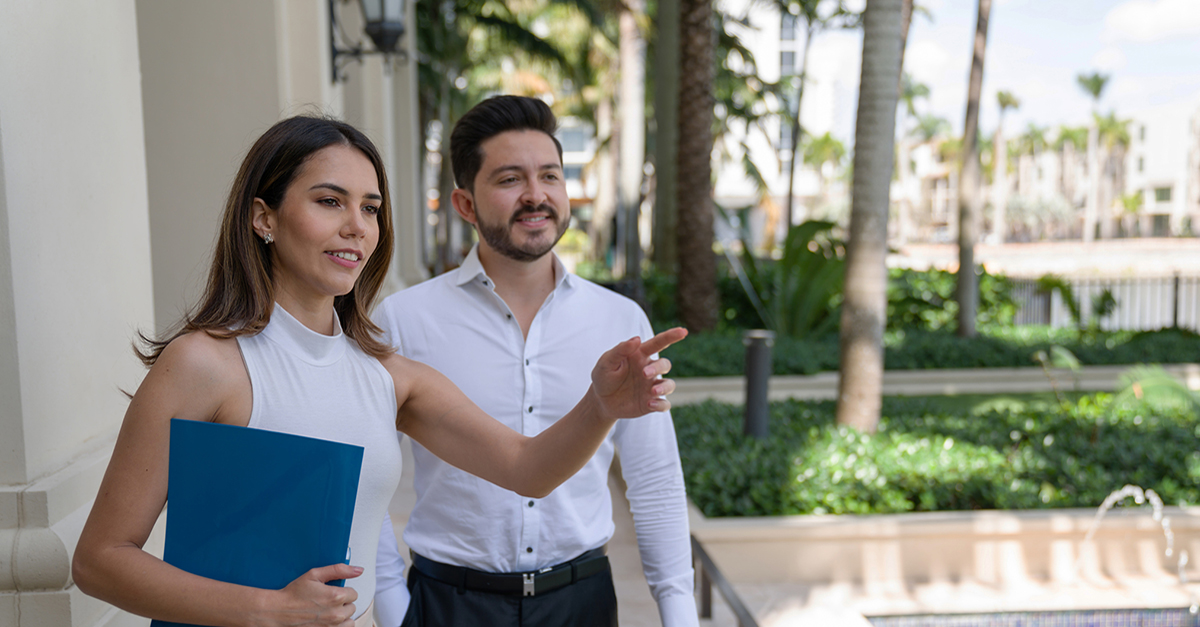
[{"x": 325, "y": 387}]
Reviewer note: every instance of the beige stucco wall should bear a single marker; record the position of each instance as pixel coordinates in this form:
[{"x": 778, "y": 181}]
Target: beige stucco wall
[
  {"x": 77, "y": 251},
  {"x": 216, "y": 74},
  {"x": 75, "y": 284}
]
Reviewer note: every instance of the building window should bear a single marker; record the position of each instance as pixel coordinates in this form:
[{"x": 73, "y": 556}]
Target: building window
[
  {"x": 573, "y": 139},
  {"x": 787, "y": 63},
  {"x": 1141, "y": 164},
  {"x": 785, "y": 134},
  {"x": 1142, "y": 133},
  {"x": 787, "y": 27},
  {"x": 573, "y": 172},
  {"x": 1162, "y": 194}
]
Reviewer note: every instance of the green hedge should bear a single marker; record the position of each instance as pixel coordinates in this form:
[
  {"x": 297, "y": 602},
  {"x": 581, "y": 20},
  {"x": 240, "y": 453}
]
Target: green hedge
[
  {"x": 927, "y": 457},
  {"x": 723, "y": 354}
]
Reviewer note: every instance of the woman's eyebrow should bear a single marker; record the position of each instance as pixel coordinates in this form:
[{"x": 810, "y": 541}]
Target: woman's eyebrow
[{"x": 341, "y": 190}]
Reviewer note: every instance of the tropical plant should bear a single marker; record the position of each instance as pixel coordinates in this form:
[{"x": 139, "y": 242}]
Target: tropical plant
[
  {"x": 799, "y": 293},
  {"x": 969, "y": 201},
  {"x": 864, "y": 310},
  {"x": 1103, "y": 304}
]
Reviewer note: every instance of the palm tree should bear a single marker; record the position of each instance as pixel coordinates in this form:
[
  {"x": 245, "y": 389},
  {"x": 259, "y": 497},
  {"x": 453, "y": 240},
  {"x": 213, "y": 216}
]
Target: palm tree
[
  {"x": 1068, "y": 142},
  {"x": 967, "y": 293},
  {"x": 1093, "y": 84},
  {"x": 910, "y": 90},
  {"x": 816, "y": 19},
  {"x": 818, "y": 151},
  {"x": 860, "y": 381},
  {"x": 1113, "y": 134},
  {"x": 1000, "y": 169},
  {"x": 696, "y": 289}
]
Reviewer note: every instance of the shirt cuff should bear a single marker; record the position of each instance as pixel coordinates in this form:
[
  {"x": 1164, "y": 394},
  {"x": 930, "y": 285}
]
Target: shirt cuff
[
  {"x": 391, "y": 605},
  {"x": 678, "y": 610}
]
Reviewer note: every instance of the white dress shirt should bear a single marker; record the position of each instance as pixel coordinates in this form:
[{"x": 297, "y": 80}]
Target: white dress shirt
[{"x": 457, "y": 324}]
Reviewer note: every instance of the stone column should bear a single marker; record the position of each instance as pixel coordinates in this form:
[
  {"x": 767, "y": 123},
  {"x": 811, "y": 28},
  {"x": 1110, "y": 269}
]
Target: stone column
[{"x": 75, "y": 284}]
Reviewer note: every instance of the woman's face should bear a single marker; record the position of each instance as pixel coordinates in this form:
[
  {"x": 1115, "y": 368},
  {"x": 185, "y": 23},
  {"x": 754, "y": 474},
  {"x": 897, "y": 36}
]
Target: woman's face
[{"x": 325, "y": 228}]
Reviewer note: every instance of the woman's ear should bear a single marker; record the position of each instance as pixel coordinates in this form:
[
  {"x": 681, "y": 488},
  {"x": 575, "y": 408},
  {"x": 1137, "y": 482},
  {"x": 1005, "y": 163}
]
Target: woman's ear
[{"x": 262, "y": 219}]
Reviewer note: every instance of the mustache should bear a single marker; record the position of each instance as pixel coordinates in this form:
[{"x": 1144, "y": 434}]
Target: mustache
[{"x": 542, "y": 208}]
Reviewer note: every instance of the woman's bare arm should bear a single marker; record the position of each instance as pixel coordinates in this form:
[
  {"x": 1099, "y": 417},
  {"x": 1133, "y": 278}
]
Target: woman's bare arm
[
  {"x": 626, "y": 383},
  {"x": 197, "y": 377}
]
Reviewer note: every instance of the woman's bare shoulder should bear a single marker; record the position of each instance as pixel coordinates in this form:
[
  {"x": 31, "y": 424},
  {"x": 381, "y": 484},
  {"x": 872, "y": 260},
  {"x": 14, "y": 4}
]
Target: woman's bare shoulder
[{"x": 204, "y": 374}]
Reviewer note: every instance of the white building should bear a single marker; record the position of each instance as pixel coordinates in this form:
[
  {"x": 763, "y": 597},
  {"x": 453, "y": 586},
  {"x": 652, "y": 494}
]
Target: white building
[{"x": 1163, "y": 165}]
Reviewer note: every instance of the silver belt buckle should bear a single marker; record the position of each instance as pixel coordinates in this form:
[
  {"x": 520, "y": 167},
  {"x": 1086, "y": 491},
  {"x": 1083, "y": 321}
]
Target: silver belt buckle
[{"x": 527, "y": 584}]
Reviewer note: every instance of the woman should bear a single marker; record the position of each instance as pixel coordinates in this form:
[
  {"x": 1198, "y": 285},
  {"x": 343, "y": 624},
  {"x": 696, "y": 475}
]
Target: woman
[{"x": 281, "y": 340}]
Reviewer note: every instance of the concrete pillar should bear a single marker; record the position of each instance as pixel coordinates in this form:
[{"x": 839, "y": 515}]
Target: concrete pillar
[
  {"x": 380, "y": 98},
  {"x": 75, "y": 284},
  {"x": 215, "y": 75}
]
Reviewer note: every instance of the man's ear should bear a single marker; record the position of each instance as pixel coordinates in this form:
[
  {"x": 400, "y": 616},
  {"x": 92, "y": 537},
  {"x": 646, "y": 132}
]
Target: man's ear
[
  {"x": 262, "y": 218},
  {"x": 464, "y": 204}
]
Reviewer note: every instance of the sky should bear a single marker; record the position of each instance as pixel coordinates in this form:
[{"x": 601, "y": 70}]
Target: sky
[{"x": 1036, "y": 48}]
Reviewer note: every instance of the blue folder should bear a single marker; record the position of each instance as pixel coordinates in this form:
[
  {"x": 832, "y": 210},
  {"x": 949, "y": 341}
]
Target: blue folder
[{"x": 254, "y": 507}]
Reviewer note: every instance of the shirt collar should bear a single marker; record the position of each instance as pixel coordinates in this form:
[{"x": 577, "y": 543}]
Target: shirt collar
[{"x": 472, "y": 270}]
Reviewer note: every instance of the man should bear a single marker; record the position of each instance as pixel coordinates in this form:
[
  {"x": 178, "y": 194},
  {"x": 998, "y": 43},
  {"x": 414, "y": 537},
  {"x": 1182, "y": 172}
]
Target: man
[{"x": 519, "y": 335}]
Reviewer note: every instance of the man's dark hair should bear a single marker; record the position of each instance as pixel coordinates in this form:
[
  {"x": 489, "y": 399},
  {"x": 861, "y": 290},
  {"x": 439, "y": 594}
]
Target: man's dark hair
[{"x": 488, "y": 119}]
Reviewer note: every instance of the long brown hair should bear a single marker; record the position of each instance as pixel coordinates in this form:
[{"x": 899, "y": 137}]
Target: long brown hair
[{"x": 240, "y": 294}]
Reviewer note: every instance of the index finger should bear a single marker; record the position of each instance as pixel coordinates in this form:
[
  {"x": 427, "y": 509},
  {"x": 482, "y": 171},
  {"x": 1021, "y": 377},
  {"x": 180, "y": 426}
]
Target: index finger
[{"x": 657, "y": 343}]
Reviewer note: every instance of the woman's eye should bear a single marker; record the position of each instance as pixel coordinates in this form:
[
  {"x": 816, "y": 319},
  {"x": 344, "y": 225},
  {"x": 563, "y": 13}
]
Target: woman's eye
[
  {"x": 329, "y": 202},
  {"x": 371, "y": 209}
]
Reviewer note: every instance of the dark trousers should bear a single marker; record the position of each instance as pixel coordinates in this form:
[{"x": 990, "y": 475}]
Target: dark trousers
[{"x": 590, "y": 602}]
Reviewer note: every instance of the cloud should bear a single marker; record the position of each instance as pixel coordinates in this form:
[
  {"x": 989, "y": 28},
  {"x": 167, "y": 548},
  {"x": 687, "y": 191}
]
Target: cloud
[
  {"x": 1110, "y": 59},
  {"x": 1144, "y": 21}
]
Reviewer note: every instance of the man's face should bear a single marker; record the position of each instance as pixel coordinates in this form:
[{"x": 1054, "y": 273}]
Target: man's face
[{"x": 520, "y": 199}]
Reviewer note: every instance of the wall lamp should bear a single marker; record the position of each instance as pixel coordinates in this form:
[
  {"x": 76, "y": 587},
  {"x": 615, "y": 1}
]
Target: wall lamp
[{"x": 384, "y": 25}]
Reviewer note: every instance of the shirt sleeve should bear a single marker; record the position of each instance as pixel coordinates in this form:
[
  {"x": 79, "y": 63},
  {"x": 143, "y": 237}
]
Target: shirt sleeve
[
  {"x": 391, "y": 591},
  {"x": 657, "y": 498}
]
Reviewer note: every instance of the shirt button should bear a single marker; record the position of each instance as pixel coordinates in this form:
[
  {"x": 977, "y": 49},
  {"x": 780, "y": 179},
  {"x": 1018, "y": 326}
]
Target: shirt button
[
  {"x": 531, "y": 503},
  {"x": 509, "y": 316},
  {"x": 485, "y": 282},
  {"x": 526, "y": 362},
  {"x": 530, "y": 409},
  {"x": 529, "y": 549}
]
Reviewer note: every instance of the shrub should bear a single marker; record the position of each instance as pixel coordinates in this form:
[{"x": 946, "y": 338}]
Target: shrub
[
  {"x": 722, "y": 353},
  {"x": 928, "y": 458}
]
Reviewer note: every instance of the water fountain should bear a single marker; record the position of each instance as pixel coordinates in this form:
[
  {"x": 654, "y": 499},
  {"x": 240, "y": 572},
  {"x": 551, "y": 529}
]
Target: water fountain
[{"x": 1141, "y": 497}]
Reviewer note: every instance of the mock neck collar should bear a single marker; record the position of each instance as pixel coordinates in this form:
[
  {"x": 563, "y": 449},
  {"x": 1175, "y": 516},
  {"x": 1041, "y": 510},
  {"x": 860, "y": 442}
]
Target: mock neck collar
[{"x": 301, "y": 341}]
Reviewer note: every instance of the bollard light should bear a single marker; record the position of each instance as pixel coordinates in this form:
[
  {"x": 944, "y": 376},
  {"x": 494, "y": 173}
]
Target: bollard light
[{"x": 758, "y": 374}]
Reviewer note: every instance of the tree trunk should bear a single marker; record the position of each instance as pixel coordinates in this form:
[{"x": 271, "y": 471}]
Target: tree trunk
[
  {"x": 604, "y": 206},
  {"x": 632, "y": 163},
  {"x": 797, "y": 130},
  {"x": 860, "y": 381},
  {"x": 969, "y": 201},
  {"x": 999, "y": 185},
  {"x": 697, "y": 286},
  {"x": 666, "y": 131},
  {"x": 1092, "y": 208}
]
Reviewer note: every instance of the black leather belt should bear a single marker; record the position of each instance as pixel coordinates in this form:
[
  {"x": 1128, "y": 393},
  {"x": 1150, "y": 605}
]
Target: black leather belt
[{"x": 515, "y": 584}]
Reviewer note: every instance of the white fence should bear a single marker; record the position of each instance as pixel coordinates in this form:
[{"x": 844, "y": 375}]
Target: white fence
[{"x": 1143, "y": 303}]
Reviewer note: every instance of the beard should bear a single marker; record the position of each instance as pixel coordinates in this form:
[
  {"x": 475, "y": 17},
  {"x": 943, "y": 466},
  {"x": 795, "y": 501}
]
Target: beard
[{"x": 499, "y": 236}]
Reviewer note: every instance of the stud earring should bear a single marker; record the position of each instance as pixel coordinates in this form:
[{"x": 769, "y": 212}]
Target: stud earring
[{"x": 268, "y": 238}]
